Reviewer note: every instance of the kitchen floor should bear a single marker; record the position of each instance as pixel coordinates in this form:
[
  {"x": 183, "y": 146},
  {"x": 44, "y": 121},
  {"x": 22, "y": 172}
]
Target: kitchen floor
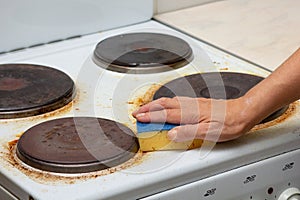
[{"x": 263, "y": 32}]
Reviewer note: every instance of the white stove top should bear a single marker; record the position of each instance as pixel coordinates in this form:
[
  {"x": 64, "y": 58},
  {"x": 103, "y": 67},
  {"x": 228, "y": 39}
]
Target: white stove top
[{"x": 108, "y": 94}]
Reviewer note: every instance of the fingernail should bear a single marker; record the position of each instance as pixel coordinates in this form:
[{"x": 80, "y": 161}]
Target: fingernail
[
  {"x": 140, "y": 115},
  {"x": 172, "y": 134}
]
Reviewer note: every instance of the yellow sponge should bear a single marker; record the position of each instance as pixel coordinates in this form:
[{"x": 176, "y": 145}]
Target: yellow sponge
[{"x": 153, "y": 137}]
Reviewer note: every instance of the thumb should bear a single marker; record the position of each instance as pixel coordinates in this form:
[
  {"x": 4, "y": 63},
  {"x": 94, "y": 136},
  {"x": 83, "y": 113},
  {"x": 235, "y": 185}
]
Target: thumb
[
  {"x": 183, "y": 133},
  {"x": 204, "y": 131}
]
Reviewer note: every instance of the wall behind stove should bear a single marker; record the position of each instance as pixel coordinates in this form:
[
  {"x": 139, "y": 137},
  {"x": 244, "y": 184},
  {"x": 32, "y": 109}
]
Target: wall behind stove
[
  {"x": 29, "y": 22},
  {"x": 162, "y": 6}
]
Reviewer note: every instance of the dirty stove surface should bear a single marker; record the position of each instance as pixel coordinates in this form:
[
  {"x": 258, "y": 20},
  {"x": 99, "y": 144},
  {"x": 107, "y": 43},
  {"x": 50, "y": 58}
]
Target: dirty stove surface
[{"x": 106, "y": 93}]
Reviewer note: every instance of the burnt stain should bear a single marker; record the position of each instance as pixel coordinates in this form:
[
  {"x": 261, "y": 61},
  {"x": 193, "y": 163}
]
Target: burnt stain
[
  {"x": 10, "y": 84},
  {"x": 50, "y": 178},
  {"x": 291, "y": 110}
]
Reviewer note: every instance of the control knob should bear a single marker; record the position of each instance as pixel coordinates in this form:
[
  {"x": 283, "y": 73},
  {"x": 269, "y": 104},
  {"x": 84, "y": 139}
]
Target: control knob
[{"x": 290, "y": 194}]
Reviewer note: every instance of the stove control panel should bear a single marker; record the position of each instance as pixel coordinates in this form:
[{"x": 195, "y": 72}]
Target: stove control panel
[{"x": 275, "y": 178}]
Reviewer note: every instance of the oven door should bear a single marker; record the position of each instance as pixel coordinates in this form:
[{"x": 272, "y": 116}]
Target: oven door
[{"x": 274, "y": 178}]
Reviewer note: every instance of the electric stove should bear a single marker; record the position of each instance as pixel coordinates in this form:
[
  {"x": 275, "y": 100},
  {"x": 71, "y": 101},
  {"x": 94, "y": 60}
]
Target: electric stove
[{"x": 260, "y": 165}]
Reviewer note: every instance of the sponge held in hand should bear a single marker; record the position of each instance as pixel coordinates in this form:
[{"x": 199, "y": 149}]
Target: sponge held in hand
[{"x": 153, "y": 137}]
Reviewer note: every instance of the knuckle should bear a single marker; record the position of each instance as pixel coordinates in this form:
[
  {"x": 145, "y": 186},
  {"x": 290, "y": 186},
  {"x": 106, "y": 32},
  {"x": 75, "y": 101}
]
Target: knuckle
[
  {"x": 176, "y": 98},
  {"x": 164, "y": 101}
]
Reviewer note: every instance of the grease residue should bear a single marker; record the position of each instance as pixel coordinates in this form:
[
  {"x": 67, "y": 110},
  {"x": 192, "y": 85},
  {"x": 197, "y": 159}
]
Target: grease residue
[
  {"x": 52, "y": 178},
  {"x": 292, "y": 109},
  {"x": 147, "y": 97}
]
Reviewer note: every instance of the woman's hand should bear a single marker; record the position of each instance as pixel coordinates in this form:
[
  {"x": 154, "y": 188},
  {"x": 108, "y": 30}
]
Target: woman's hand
[
  {"x": 200, "y": 118},
  {"x": 222, "y": 120}
]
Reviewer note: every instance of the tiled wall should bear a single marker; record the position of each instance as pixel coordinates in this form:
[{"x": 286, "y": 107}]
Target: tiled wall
[{"x": 161, "y": 6}]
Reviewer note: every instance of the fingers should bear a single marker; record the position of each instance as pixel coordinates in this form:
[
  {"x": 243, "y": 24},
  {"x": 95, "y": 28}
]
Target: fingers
[
  {"x": 204, "y": 131},
  {"x": 156, "y": 105},
  {"x": 186, "y": 132},
  {"x": 166, "y": 115},
  {"x": 152, "y": 106},
  {"x": 156, "y": 116},
  {"x": 179, "y": 110}
]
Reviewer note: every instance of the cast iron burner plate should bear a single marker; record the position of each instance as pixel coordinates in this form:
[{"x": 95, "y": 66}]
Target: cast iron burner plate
[
  {"x": 216, "y": 85},
  {"x": 27, "y": 90},
  {"x": 77, "y": 145},
  {"x": 142, "y": 53}
]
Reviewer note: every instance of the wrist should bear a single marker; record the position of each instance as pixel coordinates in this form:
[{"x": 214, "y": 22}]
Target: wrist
[{"x": 252, "y": 110}]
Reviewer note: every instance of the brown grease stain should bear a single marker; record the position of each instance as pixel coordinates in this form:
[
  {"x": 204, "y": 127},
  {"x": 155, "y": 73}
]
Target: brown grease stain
[
  {"x": 288, "y": 113},
  {"x": 147, "y": 97},
  {"x": 52, "y": 178},
  {"x": 224, "y": 68},
  {"x": 56, "y": 178}
]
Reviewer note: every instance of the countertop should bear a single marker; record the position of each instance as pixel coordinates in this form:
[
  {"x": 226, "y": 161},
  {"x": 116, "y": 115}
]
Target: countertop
[{"x": 263, "y": 32}]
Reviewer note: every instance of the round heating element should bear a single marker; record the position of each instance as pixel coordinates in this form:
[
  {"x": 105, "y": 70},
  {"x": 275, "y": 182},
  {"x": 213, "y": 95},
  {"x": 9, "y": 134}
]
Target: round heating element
[
  {"x": 77, "y": 145},
  {"x": 27, "y": 90},
  {"x": 216, "y": 85},
  {"x": 142, "y": 53}
]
